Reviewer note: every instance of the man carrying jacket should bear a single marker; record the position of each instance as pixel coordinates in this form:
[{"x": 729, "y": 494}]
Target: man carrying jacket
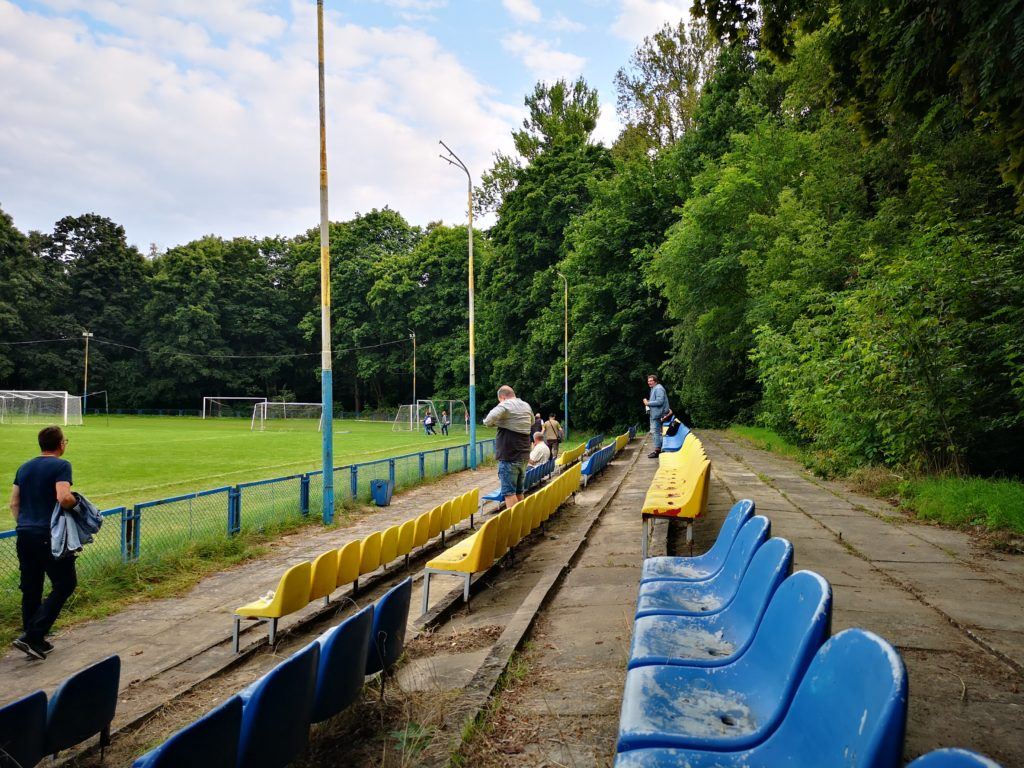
[
  {"x": 39, "y": 485},
  {"x": 657, "y": 406},
  {"x": 514, "y": 419}
]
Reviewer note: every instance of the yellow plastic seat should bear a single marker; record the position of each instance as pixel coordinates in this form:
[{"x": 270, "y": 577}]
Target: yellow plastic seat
[
  {"x": 388, "y": 545},
  {"x": 435, "y": 521},
  {"x": 324, "y": 576},
  {"x": 473, "y": 504},
  {"x": 406, "y": 537},
  {"x": 471, "y": 555},
  {"x": 291, "y": 595},
  {"x": 348, "y": 563},
  {"x": 369, "y": 554},
  {"x": 422, "y": 535},
  {"x": 501, "y": 541},
  {"x": 519, "y": 512},
  {"x": 446, "y": 517}
]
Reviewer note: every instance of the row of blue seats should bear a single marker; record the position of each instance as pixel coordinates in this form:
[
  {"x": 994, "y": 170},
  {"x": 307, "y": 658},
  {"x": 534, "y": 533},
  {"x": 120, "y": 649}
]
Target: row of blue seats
[
  {"x": 732, "y": 664},
  {"x": 534, "y": 477},
  {"x": 593, "y": 444},
  {"x": 596, "y": 462},
  {"x": 264, "y": 726},
  {"x": 267, "y": 724}
]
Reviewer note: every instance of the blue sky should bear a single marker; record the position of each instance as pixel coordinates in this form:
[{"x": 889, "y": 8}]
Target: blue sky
[{"x": 178, "y": 118}]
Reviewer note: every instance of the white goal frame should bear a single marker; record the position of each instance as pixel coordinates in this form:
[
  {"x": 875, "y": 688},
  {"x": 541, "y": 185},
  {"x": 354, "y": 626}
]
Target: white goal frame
[
  {"x": 40, "y": 406},
  {"x": 259, "y": 413},
  {"x": 410, "y": 415},
  {"x": 208, "y": 400}
]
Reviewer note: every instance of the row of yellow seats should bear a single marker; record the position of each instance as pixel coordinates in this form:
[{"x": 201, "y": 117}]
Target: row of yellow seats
[
  {"x": 621, "y": 442},
  {"x": 501, "y": 533},
  {"x": 680, "y": 486},
  {"x": 303, "y": 583},
  {"x": 565, "y": 458}
]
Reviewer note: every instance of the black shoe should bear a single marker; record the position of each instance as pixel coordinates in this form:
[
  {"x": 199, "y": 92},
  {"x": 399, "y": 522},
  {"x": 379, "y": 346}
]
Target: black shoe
[
  {"x": 653, "y": 454},
  {"x": 46, "y": 646},
  {"x": 34, "y": 650}
]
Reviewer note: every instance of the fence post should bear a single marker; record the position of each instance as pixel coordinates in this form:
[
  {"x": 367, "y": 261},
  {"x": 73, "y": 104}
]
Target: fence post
[
  {"x": 304, "y": 495},
  {"x": 125, "y": 535},
  {"x": 135, "y": 532},
  {"x": 234, "y": 510},
  {"x": 354, "y": 481},
  {"x": 423, "y": 465},
  {"x": 465, "y": 456},
  {"x": 391, "y": 472}
]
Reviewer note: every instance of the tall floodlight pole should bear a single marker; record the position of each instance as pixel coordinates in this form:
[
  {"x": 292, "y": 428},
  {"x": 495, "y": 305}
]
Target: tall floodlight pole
[
  {"x": 565, "y": 390},
  {"x": 85, "y": 384},
  {"x": 415, "y": 402},
  {"x": 326, "y": 380},
  {"x": 454, "y": 159}
]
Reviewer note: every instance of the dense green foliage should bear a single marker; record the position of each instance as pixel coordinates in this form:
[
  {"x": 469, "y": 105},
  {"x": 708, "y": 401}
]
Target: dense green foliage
[{"x": 812, "y": 219}]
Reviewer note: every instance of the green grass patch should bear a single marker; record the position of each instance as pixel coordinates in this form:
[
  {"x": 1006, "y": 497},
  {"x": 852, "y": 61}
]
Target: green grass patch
[
  {"x": 967, "y": 502},
  {"x": 769, "y": 440}
]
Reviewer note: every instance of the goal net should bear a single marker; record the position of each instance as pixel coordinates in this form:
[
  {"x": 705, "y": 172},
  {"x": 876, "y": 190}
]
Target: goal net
[
  {"x": 274, "y": 415},
  {"x": 214, "y": 407},
  {"x": 411, "y": 417},
  {"x": 24, "y": 406}
]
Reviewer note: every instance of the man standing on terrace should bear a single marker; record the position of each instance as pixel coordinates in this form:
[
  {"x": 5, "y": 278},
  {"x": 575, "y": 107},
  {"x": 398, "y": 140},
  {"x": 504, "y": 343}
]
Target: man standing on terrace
[
  {"x": 39, "y": 485},
  {"x": 514, "y": 420},
  {"x": 657, "y": 406}
]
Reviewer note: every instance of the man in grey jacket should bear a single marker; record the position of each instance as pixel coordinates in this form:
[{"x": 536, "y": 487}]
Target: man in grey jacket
[
  {"x": 514, "y": 420},
  {"x": 657, "y": 406}
]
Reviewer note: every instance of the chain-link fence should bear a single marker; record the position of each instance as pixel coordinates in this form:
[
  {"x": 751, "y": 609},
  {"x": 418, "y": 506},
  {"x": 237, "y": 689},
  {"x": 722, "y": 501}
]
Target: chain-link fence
[{"x": 154, "y": 528}]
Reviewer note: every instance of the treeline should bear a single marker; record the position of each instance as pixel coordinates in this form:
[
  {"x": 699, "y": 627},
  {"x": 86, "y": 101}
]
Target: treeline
[
  {"x": 235, "y": 317},
  {"x": 812, "y": 219}
]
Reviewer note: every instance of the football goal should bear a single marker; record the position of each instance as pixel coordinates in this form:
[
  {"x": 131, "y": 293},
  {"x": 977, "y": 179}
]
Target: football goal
[
  {"x": 214, "y": 407},
  {"x": 26, "y": 406},
  {"x": 410, "y": 417},
  {"x": 270, "y": 414}
]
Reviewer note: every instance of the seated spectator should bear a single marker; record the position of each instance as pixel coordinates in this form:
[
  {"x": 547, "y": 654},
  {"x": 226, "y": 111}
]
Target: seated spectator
[{"x": 540, "y": 452}]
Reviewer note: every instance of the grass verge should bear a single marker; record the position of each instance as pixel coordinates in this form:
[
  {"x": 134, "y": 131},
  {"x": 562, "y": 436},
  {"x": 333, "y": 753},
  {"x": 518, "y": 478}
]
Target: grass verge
[{"x": 958, "y": 502}]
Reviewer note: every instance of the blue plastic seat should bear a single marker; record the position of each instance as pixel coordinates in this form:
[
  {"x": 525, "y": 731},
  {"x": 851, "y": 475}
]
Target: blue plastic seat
[
  {"x": 277, "y": 712},
  {"x": 850, "y": 711},
  {"x": 211, "y": 741},
  {"x": 705, "y": 565},
  {"x": 672, "y": 443},
  {"x": 682, "y": 598},
  {"x": 953, "y": 758},
  {"x": 736, "y": 705},
  {"x": 387, "y": 639},
  {"x": 83, "y": 706},
  {"x": 712, "y": 640},
  {"x": 343, "y": 652},
  {"x": 23, "y": 731}
]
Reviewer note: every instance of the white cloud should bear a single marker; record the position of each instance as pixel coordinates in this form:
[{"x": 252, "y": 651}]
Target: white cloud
[
  {"x": 543, "y": 62},
  {"x": 562, "y": 23},
  {"x": 638, "y": 19},
  {"x": 522, "y": 10},
  {"x": 608, "y": 125},
  {"x": 177, "y": 123}
]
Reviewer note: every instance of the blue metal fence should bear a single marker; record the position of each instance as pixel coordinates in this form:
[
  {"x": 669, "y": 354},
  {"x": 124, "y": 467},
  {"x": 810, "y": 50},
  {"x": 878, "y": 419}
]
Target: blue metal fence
[{"x": 149, "y": 530}]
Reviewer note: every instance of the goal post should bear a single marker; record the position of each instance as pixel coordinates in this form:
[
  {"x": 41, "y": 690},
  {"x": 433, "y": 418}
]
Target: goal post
[
  {"x": 233, "y": 405},
  {"x": 270, "y": 413},
  {"x": 410, "y": 417},
  {"x": 29, "y": 406}
]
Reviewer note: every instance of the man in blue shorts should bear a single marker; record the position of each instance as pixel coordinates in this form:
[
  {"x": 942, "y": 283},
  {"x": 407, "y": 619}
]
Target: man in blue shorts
[
  {"x": 39, "y": 485},
  {"x": 514, "y": 420}
]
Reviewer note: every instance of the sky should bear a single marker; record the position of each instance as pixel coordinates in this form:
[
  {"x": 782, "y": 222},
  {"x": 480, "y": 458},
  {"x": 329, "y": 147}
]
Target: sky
[{"x": 181, "y": 118}]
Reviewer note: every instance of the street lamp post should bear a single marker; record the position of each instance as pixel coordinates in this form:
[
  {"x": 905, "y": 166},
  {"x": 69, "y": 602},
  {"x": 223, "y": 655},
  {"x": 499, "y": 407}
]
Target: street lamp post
[
  {"x": 454, "y": 159},
  {"x": 565, "y": 390},
  {"x": 85, "y": 384},
  {"x": 415, "y": 402},
  {"x": 327, "y": 375}
]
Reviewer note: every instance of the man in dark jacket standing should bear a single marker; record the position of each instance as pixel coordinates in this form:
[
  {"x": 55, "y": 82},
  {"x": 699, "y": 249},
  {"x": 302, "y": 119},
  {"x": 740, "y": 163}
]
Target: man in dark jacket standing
[
  {"x": 657, "y": 406},
  {"x": 39, "y": 485},
  {"x": 514, "y": 420}
]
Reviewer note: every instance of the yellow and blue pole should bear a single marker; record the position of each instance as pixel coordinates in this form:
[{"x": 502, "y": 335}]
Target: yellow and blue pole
[{"x": 326, "y": 381}]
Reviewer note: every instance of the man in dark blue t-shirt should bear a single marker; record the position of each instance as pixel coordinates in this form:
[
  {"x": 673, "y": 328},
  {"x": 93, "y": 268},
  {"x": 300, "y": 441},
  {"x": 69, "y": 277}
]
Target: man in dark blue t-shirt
[{"x": 39, "y": 485}]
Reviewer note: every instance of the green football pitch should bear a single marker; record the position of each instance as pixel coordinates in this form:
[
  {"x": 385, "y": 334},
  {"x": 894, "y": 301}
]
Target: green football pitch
[{"x": 140, "y": 458}]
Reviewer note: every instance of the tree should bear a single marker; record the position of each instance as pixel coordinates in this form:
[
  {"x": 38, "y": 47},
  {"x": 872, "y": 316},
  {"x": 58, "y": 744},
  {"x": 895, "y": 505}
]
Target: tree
[{"x": 658, "y": 91}]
